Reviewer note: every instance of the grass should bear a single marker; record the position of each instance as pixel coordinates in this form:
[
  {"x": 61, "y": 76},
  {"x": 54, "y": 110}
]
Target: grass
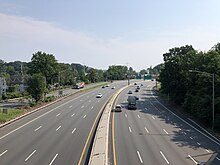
[{"x": 12, "y": 113}]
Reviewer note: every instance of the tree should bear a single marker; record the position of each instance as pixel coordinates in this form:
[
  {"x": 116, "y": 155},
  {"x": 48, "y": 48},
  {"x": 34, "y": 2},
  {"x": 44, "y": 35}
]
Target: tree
[
  {"x": 45, "y": 64},
  {"x": 37, "y": 86}
]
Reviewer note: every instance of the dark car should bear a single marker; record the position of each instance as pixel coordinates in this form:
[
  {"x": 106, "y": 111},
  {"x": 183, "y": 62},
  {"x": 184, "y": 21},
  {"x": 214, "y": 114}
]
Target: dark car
[
  {"x": 129, "y": 92},
  {"x": 136, "y": 90}
]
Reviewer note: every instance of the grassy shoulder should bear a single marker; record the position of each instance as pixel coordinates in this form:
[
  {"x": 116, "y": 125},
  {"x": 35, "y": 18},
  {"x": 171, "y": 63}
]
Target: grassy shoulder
[{"x": 11, "y": 114}]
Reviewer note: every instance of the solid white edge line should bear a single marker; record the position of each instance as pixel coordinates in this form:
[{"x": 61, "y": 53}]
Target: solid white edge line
[
  {"x": 165, "y": 131},
  {"x": 58, "y": 128},
  {"x": 192, "y": 159},
  {"x": 188, "y": 123},
  {"x": 73, "y": 130},
  {"x": 3, "y": 153},
  {"x": 30, "y": 155},
  {"x": 129, "y": 129},
  {"x": 218, "y": 158},
  {"x": 146, "y": 129},
  {"x": 42, "y": 115},
  {"x": 139, "y": 157},
  {"x": 37, "y": 128},
  {"x": 53, "y": 159},
  {"x": 164, "y": 157}
]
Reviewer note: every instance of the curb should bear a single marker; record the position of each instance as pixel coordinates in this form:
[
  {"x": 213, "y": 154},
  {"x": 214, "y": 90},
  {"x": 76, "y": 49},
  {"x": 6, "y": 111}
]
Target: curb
[{"x": 99, "y": 153}]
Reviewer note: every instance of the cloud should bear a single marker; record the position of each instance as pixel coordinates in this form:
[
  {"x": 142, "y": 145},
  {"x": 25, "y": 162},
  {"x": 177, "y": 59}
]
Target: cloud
[{"x": 20, "y": 37}]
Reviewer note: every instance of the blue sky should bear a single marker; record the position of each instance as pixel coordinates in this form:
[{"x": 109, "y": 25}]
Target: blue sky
[{"x": 100, "y": 33}]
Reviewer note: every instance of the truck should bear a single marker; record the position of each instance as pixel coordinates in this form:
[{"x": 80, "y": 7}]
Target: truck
[
  {"x": 79, "y": 85},
  {"x": 132, "y": 102}
]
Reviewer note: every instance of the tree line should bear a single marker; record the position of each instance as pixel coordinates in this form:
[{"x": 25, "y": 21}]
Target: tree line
[
  {"x": 187, "y": 79},
  {"x": 44, "y": 72}
]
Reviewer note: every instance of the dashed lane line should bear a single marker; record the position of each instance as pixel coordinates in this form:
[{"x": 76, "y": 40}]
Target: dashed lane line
[
  {"x": 53, "y": 159},
  {"x": 58, "y": 115},
  {"x": 58, "y": 128},
  {"x": 72, "y": 114},
  {"x": 37, "y": 128},
  {"x": 3, "y": 153},
  {"x": 153, "y": 117},
  {"x": 30, "y": 155},
  {"x": 129, "y": 129},
  {"x": 146, "y": 130},
  {"x": 73, "y": 130},
  {"x": 84, "y": 117},
  {"x": 138, "y": 116},
  {"x": 126, "y": 115},
  {"x": 192, "y": 159},
  {"x": 165, "y": 131},
  {"x": 139, "y": 156},
  {"x": 164, "y": 157}
]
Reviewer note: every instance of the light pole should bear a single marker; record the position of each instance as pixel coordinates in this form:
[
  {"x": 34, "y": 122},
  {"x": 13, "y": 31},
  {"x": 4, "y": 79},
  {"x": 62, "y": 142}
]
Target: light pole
[{"x": 213, "y": 93}]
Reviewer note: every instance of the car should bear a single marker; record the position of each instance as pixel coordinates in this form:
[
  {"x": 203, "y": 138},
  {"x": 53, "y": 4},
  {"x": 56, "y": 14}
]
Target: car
[
  {"x": 136, "y": 90},
  {"x": 152, "y": 79},
  {"x": 99, "y": 95},
  {"x": 103, "y": 86},
  {"x": 113, "y": 87},
  {"x": 135, "y": 83},
  {"x": 107, "y": 86},
  {"x": 141, "y": 84},
  {"x": 118, "y": 108},
  {"x": 138, "y": 87},
  {"x": 129, "y": 92}
]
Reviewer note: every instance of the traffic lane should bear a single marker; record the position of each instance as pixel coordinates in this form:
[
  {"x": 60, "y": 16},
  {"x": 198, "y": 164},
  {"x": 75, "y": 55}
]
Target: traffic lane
[
  {"x": 134, "y": 120},
  {"x": 56, "y": 128},
  {"x": 187, "y": 136},
  {"x": 127, "y": 138}
]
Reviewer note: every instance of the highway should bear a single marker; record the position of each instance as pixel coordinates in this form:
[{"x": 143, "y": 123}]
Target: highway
[
  {"x": 156, "y": 134},
  {"x": 56, "y": 135}
]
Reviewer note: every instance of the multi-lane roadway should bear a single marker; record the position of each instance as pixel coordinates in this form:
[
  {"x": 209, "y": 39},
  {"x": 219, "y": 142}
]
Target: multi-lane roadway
[
  {"x": 56, "y": 135},
  {"x": 156, "y": 134}
]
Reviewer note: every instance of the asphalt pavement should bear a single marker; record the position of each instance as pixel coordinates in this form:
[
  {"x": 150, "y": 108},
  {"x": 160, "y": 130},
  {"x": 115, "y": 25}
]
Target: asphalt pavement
[{"x": 156, "y": 134}]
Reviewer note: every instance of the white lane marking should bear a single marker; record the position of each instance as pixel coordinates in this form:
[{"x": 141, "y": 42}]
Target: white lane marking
[
  {"x": 198, "y": 143},
  {"x": 126, "y": 115},
  {"x": 165, "y": 131},
  {"x": 82, "y": 106},
  {"x": 37, "y": 128},
  {"x": 164, "y": 157},
  {"x": 84, "y": 116},
  {"x": 184, "y": 133},
  {"x": 42, "y": 115},
  {"x": 214, "y": 138},
  {"x": 192, "y": 159},
  {"x": 191, "y": 137},
  {"x": 91, "y": 107},
  {"x": 139, "y": 116},
  {"x": 30, "y": 155},
  {"x": 139, "y": 157},
  {"x": 3, "y": 153},
  {"x": 58, "y": 128},
  {"x": 58, "y": 115},
  {"x": 145, "y": 108},
  {"x": 208, "y": 151},
  {"x": 146, "y": 130},
  {"x": 70, "y": 106},
  {"x": 53, "y": 159},
  {"x": 73, "y": 130},
  {"x": 129, "y": 129},
  {"x": 180, "y": 129},
  {"x": 218, "y": 158},
  {"x": 153, "y": 117},
  {"x": 72, "y": 114}
]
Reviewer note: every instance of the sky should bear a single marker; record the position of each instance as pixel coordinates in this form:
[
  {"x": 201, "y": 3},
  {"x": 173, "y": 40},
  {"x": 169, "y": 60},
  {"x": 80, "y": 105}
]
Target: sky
[{"x": 100, "y": 33}]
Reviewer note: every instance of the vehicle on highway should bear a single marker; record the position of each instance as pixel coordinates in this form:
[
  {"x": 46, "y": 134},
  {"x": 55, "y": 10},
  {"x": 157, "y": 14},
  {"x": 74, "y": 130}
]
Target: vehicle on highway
[
  {"x": 152, "y": 79},
  {"x": 79, "y": 85},
  {"x": 136, "y": 90},
  {"x": 118, "y": 108},
  {"x": 132, "y": 102},
  {"x": 135, "y": 83},
  {"x": 113, "y": 87},
  {"x": 99, "y": 95},
  {"x": 141, "y": 84},
  {"x": 138, "y": 87},
  {"x": 107, "y": 85},
  {"x": 103, "y": 86},
  {"x": 129, "y": 92}
]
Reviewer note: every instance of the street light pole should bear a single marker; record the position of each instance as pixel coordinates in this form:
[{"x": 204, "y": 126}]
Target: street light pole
[{"x": 213, "y": 93}]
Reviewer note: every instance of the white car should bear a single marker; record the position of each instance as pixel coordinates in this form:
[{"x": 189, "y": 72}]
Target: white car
[
  {"x": 113, "y": 87},
  {"x": 99, "y": 95},
  {"x": 118, "y": 108}
]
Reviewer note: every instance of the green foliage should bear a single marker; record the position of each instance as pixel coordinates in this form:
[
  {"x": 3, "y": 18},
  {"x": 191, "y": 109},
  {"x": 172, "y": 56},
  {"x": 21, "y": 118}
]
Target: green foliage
[
  {"x": 49, "y": 99},
  {"x": 12, "y": 113},
  {"x": 37, "y": 86},
  {"x": 192, "y": 90}
]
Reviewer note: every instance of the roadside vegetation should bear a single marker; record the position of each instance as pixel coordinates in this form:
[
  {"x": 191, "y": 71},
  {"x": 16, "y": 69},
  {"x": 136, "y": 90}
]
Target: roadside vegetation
[
  {"x": 11, "y": 114},
  {"x": 187, "y": 79}
]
